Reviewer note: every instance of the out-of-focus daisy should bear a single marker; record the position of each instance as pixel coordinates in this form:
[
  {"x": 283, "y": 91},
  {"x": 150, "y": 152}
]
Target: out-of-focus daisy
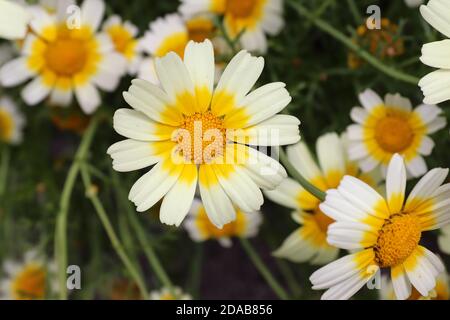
[
  {"x": 413, "y": 3},
  {"x": 435, "y": 54},
  {"x": 166, "y": 294},
  {"x": 386, "y": 231},
  {"x": 392, "y": 126},
  {"x": 440, "y": 292},
  {"x": 12, "y": 122},
  {"x": 188, "y": 130},
  {"x": 65, "y": 59},
  {"x": 444, "y": 239},
  {"x": 200, "y": 228},
  {"x": 32, "y": 279},
  {"x": 383, "y": 43},
  {"x": 14, "y": 20},
  {"x": 249, "y": 19},
  {"x": 123, "y": 35},
  {"x": 308, "y": 242},
  {"x": 171, "y": 34}
]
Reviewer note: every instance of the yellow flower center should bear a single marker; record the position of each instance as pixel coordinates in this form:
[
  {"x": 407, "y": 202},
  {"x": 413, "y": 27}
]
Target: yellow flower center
[
  {"x": 234, "y": 228},
  {"x": 240, "y": 8},
  {"x": 393, "y": 133},
  {"x": 322, "y": 220},
  {"x": 66, "y": 56},
  {"x": 30, "y": 283},
  {"x": 6, "y": 125},
  {"x": 121, "y": 38},
  {"x": 397, "y": 239},
  {"x": 201, "y": 138},
  {"x": 176, "y": 43}
]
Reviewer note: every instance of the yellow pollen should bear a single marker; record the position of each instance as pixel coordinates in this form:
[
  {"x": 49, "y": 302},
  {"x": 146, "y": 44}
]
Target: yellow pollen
[
  {"x": 397, "y": 239},
  {"x": 240, "y": 8},
  {"x": 393, "y": 133},
  {"x": 6, "y": 126},
  {"x": 30, "y": 283},
  {"x": 322, "y": 220},
  {"x": 66, "y": 56},
  {"x": 201, "y": 138}
]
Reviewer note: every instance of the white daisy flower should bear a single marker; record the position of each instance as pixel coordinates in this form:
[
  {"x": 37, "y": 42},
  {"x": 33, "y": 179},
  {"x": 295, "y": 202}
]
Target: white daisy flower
[
  {"x": 32, "y": 279},
  {"x": 435, "y": 54},
  {"x": 63, "y": 59},
  {"x": 12, "y": 122},
  {"x": 188, "y": 131},
  {"x": 251, "y": 19},
  {"x": 201, "y": 229},
  {"x": 440, "y": 291},
  {"x": 384, "y": 128},
  {"x": 166, "y": 294},
  {"x": 386, "y": 231},
  {"x": 413, "y": 3},
  {"x": 308, "y": 242},
  {"x": 123, "y": 35},
  {"x": 13, "y": 20}
]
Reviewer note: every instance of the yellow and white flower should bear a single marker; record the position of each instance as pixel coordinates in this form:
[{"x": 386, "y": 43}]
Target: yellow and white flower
[
  {"x": 14, "y": 20},
  {"x": 386, "y": 232},
  {"x": 12, "y": 122},
  {"x": 308, "y": 242},
  {"x": 201, "y": 229},
  {"x": 384, "y": 128},
  {"x": 188, "y": 131},
  {"x": 32, "y": 279},
  {"x": 65, "y": 59},
  {"x": 440, "y": 292},
  {"x": 166, "y": 294},
  {"x": 435, "y": 54},
  {"x": 251, "y": 19},
  {"x": 123, "y": 35}
]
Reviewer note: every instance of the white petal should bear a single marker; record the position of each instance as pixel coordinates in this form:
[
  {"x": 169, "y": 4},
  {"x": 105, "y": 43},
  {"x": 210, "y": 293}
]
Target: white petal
[
  {"x": 416, "y": 166},
  {"x": 369, "y": 99},
  {"x": 396, "y": 184},
  {"x": 436, "y": 13},
  {"x": 426, "y": 186},
  {"x": 92, "y": 12},
  {"x": 436, "y": 86},
  {"x": 14, "y": 20},
  {"x": 301, "y": 158},
  {"x": 435, "y": 54},
  {"x": 35, "y": 91},
  {"x": 15, "y": 72},
  {"x": 286, "y": 194},
  {"x": 88, "y": 97},
  {"x": 400, "y": 283},
  {"x": 397, "y": 101},
  {"x": 331, "y": 154}
]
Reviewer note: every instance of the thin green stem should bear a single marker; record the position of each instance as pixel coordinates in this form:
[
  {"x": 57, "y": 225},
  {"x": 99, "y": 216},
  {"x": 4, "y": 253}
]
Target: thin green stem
[
  {"x": 149, "y": 252},
  {"x": 61, "y": 219},
  {"x": 332, "y": 31},
  {"x": 355, "y": 12},
  {"x": 4, "y": 166},
  {"x": 263, "y": 270},
  {"x": 91, "y": 193},
  {"x": 319, "y": 194}
]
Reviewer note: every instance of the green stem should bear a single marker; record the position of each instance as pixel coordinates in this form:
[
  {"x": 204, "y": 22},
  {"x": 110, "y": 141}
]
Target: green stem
[
  {"x": 150, "y": 254},
  {"x": 267, "y": 275},
  {"x": 61, "y": 219},
  {"x": 319, "y": 194},
  {"x": 332, "y": 31},
  {"x": 117, "y": 245},
  {"x": 354, "y": 10},
  {"x": 4, "y": 166}
]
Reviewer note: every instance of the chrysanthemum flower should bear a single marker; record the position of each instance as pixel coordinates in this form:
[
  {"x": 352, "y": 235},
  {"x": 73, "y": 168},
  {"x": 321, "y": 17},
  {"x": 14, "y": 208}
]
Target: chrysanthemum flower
[
  {"x": 383, "y": 43},
  {"x": 172, "y": 33},
  {"x": 386, "y": 231},
  {"x": 435, "y": 54},
  {"x": 308, "y": 242},
  {"x": 32, "y": 279},
  {"x": 65, "y": 59},
  {"x": 12, "y": 122},
  {"x": 251, "y": 19},
  {"x": 201, "y": 229},
  {"x": 189, "y": 131},
  {"x": 166, "y": 294},
  {"x": 391, "y": 126},
  {"x": 123, "y": 35},
  {"x": 440, "y": 292}
]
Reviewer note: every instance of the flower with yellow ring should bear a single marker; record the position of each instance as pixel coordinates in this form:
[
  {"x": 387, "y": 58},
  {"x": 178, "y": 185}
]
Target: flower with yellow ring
[
  {"x": 308, "y": 242},
  {"x": 33, "y": 279},
  {"x": 201, "y": 229},
  {"x": 389, "y": 126},
  {"x": 66, "y": 58},
  {"x": 385, "y": 232},
  {"x": 195, "y": 134}
]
